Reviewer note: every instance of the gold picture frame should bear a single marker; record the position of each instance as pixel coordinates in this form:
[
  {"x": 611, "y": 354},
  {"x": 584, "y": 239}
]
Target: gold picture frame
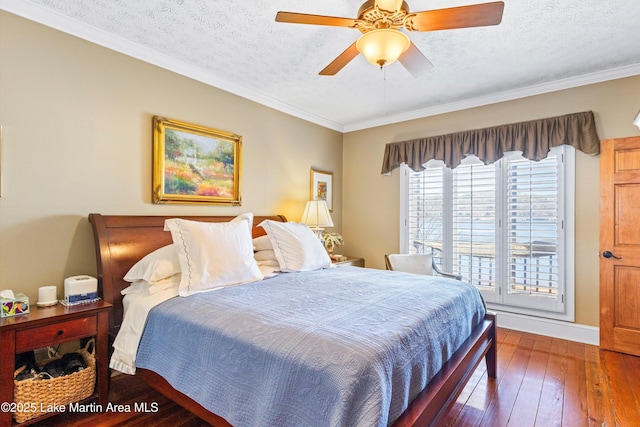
[
  {"x": 322, "y": 187},
  {"x": 193, "y": 164}
]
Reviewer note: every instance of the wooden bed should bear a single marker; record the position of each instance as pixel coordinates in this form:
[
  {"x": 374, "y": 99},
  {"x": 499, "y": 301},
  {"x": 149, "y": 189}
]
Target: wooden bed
[{"x": 122, "y": 240}]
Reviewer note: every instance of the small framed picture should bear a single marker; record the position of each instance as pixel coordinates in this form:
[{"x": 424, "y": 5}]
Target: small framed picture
[
  {"x": 195, "y": 164},
  {"x": 322, "y": 187}
]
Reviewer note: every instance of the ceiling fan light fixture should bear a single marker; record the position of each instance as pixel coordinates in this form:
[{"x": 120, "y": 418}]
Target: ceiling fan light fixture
[
  {"x": 383, "y": 46},
  {"x": 389, "y": 5}
]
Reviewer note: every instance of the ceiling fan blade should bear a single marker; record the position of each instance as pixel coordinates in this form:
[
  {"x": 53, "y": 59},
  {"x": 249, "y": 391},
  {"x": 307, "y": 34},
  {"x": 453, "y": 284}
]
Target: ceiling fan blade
[
  {"x": 343, "y": 59},
  {"x": 415, "y": 62},
  {"x": 477, "y": 15},
  {"x": 303, "y": 18}
]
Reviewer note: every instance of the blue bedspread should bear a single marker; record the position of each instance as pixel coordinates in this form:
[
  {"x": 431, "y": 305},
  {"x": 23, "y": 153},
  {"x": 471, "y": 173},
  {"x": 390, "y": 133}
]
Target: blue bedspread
[{"x": 338, "y": 347}]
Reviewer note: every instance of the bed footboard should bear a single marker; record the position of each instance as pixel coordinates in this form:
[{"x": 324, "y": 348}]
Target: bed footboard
[{"x": 435, "y": 401}]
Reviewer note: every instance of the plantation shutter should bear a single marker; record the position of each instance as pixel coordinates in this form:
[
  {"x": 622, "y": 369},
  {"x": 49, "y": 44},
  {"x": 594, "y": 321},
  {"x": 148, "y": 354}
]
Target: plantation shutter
[
  {"x": 474, "y": 224},
  {"x": 533, "y": 221},
  {"x": 425, "y": 216},
  {"x": 500, "y": 226}
]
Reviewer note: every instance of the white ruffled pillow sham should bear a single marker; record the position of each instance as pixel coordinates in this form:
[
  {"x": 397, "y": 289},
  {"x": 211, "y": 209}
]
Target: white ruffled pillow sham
[
  {"x": 296, "y": 247},
  {"x": 214, "y": 255}
]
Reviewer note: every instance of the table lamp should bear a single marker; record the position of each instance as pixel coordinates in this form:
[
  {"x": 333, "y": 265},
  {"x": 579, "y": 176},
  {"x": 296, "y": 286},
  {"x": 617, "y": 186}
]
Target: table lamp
[{"x": 316, "y": 215}]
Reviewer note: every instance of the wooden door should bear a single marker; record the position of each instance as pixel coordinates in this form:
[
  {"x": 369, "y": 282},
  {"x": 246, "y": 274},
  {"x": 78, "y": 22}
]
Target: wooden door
[{"x": 620, "y": 245}]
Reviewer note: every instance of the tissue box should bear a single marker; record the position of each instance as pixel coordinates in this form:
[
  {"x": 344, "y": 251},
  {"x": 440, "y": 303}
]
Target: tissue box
[{"x": 14, "y": 306}]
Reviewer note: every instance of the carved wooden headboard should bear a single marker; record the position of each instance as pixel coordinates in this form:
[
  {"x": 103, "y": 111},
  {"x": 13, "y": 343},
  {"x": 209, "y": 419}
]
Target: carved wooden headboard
[{"x": 122, "y": 240}]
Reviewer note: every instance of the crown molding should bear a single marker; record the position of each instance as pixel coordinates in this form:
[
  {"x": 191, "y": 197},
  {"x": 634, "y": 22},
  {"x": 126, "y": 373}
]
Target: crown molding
[
  {"x": 60, "y": 22},
  {"x": 92, "y": 34},
  {"x": 567, "y": 83}
]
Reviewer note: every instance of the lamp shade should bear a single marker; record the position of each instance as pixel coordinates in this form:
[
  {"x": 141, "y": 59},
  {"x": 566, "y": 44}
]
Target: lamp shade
[
  {"x": 383, "y": 46},
  {"x": 637, "y": 121},
  {"x": 316, "y": 214}
]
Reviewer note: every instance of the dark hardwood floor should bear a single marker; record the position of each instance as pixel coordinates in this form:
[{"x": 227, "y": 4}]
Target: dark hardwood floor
[{"x": 541, "y": 381}]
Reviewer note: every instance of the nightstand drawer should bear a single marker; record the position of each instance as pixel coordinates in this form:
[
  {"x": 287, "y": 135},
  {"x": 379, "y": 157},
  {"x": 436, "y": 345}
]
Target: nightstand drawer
[{"x": 43, "y": 336}]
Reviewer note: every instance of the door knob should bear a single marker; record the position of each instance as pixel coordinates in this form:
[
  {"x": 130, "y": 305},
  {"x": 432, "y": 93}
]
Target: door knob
[{"x": 608, "y": 254}]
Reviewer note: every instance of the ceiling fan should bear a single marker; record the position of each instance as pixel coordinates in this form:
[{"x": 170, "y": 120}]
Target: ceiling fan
[{"x": 380, "y": 22}]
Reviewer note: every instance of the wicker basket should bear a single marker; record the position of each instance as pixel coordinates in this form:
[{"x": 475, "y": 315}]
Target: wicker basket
[{"x": 34, "y": 398}]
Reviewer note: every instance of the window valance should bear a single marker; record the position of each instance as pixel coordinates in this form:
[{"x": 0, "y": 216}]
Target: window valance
[{"x": 533, "y": 138}]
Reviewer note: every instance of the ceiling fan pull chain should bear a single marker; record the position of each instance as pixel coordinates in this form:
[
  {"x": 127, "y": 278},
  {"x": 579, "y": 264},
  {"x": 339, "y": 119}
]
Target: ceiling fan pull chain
[{"x": 384, "y": 90}]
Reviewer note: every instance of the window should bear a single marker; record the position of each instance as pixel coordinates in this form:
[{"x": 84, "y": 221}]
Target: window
[{"x": 501, "y": 226}]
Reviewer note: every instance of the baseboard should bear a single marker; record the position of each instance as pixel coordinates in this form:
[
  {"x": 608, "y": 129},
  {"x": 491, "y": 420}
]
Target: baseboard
[{"x": 548, "y": 327}]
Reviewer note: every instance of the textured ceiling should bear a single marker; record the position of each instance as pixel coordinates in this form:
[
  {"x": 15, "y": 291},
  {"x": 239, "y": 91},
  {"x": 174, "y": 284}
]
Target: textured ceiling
[{"x": 541, "y": 45}]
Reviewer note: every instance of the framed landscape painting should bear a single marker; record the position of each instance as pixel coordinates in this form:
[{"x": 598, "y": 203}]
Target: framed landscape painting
[{"x": 195, "y": 164}]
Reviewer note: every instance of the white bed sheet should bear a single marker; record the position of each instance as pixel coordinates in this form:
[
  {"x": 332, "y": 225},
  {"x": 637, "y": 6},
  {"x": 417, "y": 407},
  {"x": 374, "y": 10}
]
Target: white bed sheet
[
  {"x": 136, "y": 310},
  {"x": 136, "y": 305}
]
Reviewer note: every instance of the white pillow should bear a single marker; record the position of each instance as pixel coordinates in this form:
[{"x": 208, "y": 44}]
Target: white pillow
[
  {"x": 214, "y": 255},
  {"x": 262, "y": 243},
  {"x": 157, "y": 265},
  {"x": 142, "y": 286},
  {"x": 266, "y": 255},
  {"x": 296, "y": 247}
]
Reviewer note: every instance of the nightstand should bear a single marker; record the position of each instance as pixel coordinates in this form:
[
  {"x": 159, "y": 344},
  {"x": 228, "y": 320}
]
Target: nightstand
[
  {"x": 50, "y": 326},
  {"x": 354, "y": 262}
]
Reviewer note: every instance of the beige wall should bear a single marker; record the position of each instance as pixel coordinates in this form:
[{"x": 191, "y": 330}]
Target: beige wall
[
  {"x": 371, "y": 212},
  {"x": 77, "y": 139}
]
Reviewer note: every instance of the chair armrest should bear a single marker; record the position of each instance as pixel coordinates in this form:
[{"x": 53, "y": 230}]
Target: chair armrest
[{"x": 442, "y": 273}]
